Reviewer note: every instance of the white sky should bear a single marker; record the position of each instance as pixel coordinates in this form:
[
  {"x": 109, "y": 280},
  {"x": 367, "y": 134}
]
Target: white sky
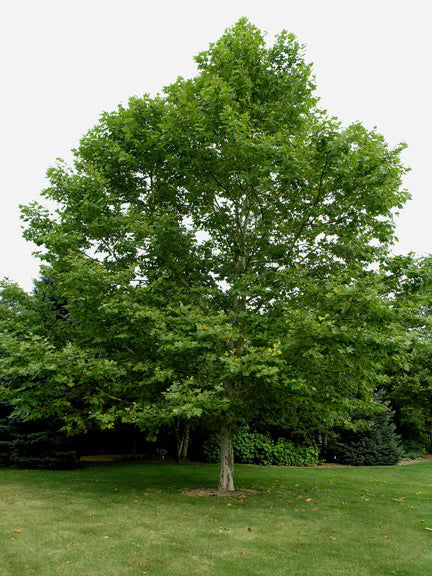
[{"x": 63, "y": 62}]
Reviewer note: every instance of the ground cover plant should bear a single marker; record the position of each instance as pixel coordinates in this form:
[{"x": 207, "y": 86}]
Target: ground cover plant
[{"x": 132, "y": 519}]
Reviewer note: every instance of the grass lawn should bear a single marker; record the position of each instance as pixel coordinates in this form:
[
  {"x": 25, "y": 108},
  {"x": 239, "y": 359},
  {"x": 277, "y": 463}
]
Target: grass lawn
[{"x": 130, "y": 519}]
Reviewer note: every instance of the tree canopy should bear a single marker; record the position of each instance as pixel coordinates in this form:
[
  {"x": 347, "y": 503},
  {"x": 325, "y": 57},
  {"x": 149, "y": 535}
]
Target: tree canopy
[{"x": 217, "y": 250}]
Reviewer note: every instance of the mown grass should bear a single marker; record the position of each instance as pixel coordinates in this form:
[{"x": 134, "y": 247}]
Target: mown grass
[{"x": 128, "y": 519}]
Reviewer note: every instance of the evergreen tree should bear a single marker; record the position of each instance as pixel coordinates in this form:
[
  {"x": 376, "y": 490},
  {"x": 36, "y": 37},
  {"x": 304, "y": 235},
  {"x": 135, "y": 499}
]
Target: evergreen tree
[
  {"x": 377, "y": 445},
  {"x": 34, "y": 444}
]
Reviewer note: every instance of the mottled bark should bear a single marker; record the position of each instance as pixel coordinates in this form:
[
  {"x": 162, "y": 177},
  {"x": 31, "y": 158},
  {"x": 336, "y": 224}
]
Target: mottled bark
[{"x": 226, "y": 471}]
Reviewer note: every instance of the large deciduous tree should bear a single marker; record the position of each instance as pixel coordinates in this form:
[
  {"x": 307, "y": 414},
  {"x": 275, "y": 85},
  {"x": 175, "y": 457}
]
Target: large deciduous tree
[{"x": 218, "y": 242}]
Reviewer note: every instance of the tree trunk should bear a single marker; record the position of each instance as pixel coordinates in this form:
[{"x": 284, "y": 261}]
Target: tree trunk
[
  {"x": 185, "y": 446},
  {"x": 226, "y": 471},
  {"x": 182, "y": 438}
]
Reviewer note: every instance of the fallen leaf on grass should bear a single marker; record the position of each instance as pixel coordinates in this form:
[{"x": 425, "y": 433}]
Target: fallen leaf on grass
[
  {"x": 314, "y": 509},
  {"x": 249, "y": 529},
  {"x": 332, "y": 537},
  {"x": 308, "y": 500}
]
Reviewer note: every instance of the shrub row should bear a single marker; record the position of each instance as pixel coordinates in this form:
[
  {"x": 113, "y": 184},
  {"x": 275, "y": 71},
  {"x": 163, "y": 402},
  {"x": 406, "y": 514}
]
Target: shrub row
[{"x": 255, "y": 448}]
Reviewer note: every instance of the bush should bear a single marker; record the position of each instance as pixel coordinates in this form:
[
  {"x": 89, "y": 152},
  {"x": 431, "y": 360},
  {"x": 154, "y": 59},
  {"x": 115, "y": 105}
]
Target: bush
[
  {"x": 252, "y": 448},
  {"x": 379, "y": 445},
  {"x": 255, "y": 448},
  {"x": 285, "y": 453}
]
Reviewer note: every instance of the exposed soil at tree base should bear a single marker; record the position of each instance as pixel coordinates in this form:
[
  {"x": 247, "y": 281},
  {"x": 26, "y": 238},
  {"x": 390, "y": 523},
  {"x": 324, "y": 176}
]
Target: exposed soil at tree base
[{"x": 212, "y": 492}]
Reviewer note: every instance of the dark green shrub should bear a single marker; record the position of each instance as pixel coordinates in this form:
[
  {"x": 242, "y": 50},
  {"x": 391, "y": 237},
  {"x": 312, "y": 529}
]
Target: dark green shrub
[
  {"x": 285, "y": 453},
  {"x": 211, "y": 449},
  {"x": 255, "y": 448},
  {"x": 252, "y": 448}
]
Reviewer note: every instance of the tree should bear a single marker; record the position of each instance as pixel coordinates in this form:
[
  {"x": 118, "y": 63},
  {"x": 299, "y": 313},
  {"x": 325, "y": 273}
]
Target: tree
[
  {"x": 376, "y": 445},
  {"x": 201, "y": 232},
  {"x": 39, "y": 379},
  {"x": 30, "y": 444},
  {"x": 409, "y": 384},
  {"x": 25, "y": 352}
]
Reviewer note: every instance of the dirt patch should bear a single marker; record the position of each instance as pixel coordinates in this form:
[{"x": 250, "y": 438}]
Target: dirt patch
[
  {"x": 104, "y": 458},
  {"x": 427, "y": 458},
  {"x": 125, "y": 458},
  {"x": 212, "y": 492}
]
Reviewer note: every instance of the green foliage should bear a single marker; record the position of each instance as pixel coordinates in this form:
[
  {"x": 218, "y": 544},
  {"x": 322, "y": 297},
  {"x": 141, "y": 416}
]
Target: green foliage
[
  {"x": 408, "y": 387},
  {"x": 255, "y": 448},
  {"x": 212, "y": 254},
  {"x": 285, "y": 453},
  {"x": 377, "y": 445},
  {"x": 252, "y": 448},
  {"x": 34, "y": 444}
]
